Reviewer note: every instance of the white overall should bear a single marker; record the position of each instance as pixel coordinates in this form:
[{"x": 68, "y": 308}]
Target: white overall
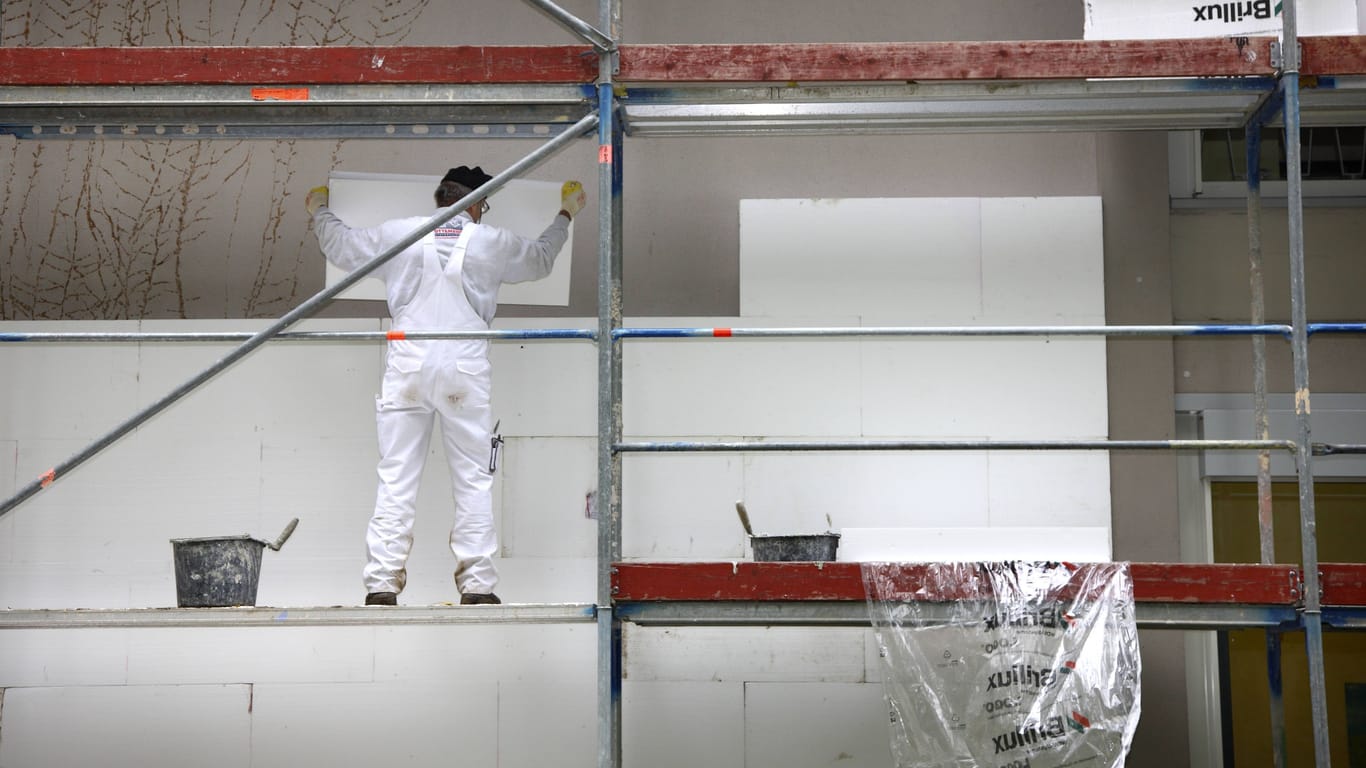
[{"x": 424, "y": 380}]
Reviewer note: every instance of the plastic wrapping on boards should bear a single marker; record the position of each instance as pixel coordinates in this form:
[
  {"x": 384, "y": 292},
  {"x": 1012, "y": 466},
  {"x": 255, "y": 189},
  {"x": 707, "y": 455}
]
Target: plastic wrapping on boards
[{"x": 1008, "y": 664}]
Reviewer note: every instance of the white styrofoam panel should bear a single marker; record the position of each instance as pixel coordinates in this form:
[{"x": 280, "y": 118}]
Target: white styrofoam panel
[
  {"x": 1061, "y": 488},
  {"x": 128, "y": 726},
  {"x": 61, "y": 657},
  {"x": 794, "y": 493},
  {"x": 70, "y": 584},
  {"x": 872, "y": 658},
  {"x": 326, "y": 482},
  {"x": 283, "y": 654},
  {"x": 997, "y": 388},
  {"x": 1042, "y": 261},
  {"x": 67, "y": 390},
  {"x": 291, "y": 577},
  {"x": 548, "y": 722},
  {"x": 546, "y": 482},
  {"x": 805, "y": 725},
  {"x": 487, "y": 653},
  {"x": 407, "y": 722},
  {"x": 683, "y": 724},
  {"x": 323, "y": 388},
  {"x": 742, "y": 386},
  {"x": 548, "y": 580},
  {"x": 744, "y": 653},
  {"x": 128, "y": 502},
  {"x": 545, "y": 387},
  {"x": 918, "y": 257},
  {"x": 681, "y": 506},
  {"x": 975, "y": 544},
  {"x": 9, "y": 458}
]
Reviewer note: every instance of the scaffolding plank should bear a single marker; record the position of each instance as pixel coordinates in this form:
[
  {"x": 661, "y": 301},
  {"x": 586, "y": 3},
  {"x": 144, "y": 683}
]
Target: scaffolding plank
[
  {"x": 270, "y": 66},
  {"x": 707, "y": 63},
  {"x": 1344, "y": 584},
  {"x": 750, "y": 581},
  {"x": 1010, "y": 60}
]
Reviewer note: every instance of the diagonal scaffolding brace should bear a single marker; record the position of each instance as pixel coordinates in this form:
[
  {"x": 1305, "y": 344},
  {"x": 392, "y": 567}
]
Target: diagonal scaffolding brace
[
  {"x": 574, "y": 24},
  {"x": 301, "y": 312}
]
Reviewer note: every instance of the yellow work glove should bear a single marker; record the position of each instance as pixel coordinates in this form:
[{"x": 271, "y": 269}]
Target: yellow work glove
[
  {"x": 317, "y": 198},
  {"x": 572, "y": 198}
]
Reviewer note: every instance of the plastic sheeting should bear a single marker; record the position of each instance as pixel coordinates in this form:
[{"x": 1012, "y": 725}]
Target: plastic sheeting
[{"x": 1009, "y": 664}]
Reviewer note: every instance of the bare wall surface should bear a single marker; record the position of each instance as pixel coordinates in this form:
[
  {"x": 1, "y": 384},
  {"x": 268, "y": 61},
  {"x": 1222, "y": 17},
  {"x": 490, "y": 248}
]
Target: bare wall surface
[{"x": 1211, "y": 284}]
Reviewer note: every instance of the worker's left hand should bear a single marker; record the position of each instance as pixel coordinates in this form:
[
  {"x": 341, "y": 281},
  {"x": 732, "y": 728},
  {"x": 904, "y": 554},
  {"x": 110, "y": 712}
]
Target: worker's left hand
[
  {"x": 572, "y": 198},
  {"x": 317, "y": 198}
]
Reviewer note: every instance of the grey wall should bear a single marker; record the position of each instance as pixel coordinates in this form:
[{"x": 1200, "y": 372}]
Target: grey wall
[{"x": 155, "y": 229}]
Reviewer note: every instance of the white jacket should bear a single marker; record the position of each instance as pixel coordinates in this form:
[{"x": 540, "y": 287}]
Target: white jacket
[{"x": 493, "y": 256}]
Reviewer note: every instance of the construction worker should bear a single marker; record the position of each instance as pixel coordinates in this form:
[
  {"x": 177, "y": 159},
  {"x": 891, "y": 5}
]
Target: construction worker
[{"x": 447, "y": 281}]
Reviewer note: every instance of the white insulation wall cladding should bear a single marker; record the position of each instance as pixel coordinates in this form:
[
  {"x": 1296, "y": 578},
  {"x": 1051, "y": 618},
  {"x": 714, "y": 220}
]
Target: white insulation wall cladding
[{"x": 289, "y": 433}]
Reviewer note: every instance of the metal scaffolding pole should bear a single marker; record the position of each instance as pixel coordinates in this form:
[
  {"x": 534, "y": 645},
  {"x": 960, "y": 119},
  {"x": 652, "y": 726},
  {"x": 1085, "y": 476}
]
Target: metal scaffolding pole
[
  {"x": 604, "y": 43},
  {"x": 1299, "y": 346},
  {"x": 1218, "y": 329},
  {"x": 684, "y": 446},
  {"x": 300, "y": 312},
  {"x": 1262, "y": 425},
  {"x": 608, "y": 501}
]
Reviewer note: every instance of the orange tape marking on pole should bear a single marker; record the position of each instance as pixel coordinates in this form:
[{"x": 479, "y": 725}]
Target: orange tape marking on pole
[
  {"x": 605, "y": 153},
  {"x": 279, "y": 94},
  {"x": 720, "y": 332},
  {"x": 395, "y": 336},
  {"x": 49, "y": 477}
]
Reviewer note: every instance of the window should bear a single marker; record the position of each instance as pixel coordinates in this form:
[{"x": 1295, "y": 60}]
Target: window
[{"x": 1211, "y": 165}]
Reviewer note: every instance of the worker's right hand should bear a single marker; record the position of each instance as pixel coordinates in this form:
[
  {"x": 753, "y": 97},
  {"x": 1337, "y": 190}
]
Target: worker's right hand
[
  {"x": 572, "y": 198},
  {"x": 317, "y": 198}
]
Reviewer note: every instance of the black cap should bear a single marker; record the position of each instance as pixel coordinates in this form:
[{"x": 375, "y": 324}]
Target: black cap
[{"x": 472, "y": 178}]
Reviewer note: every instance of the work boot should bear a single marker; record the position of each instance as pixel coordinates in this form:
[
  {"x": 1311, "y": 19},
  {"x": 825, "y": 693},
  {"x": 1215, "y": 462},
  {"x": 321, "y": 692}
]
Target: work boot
[
  {"x": 382, "y": 598},
  {"x": 471, "y": 598}
]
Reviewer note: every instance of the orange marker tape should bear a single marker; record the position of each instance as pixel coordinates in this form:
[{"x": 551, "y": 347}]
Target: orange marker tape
[
  {"x": 395, "y": 336},
  {"x": 279, "y": 94},
  {"x": 720, "y": 332},
  {"x": 49, "y": 477},
  {"x": 605, "y": 153}
]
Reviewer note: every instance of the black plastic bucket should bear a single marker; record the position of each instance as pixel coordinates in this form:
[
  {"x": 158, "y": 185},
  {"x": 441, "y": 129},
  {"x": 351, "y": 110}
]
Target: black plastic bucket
[
  {"x": 817, "y": 547},
  {"x": 220, "y": 571},
  {"x": 217, "y": 572}
]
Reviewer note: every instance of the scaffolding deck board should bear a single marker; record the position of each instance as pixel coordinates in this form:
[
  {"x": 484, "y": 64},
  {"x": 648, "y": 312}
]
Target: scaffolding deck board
[
  {"x": 1166, "y": 595},
  {"x": 772, "y": 62},
  {"x": 1344, "y": 584}
]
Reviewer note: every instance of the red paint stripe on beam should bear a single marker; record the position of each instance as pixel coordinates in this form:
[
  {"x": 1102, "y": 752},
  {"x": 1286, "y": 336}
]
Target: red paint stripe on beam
[
  {"x": 279, "y": 94},
  {"x": 1153, "y": 582}
]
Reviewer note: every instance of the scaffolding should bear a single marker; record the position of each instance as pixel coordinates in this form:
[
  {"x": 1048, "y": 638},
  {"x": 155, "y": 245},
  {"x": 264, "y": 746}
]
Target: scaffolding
[{"x": 665, "y": 90}]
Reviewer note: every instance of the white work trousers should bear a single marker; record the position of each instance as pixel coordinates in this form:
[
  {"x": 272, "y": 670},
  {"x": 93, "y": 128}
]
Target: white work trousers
[{"x": 426, "y": 382}]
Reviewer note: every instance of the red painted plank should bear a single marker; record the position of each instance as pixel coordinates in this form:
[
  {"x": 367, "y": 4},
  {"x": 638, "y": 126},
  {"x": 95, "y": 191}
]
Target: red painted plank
[
  {"x": 1153, "y": 582},
  {"x": 805, "y": 62},
  {"x": 1014, "y": 60},
  {"x": 338, "y": 65},
  {"x": 1344, "y": 584},
  {"x": 1333, "y": 55}
]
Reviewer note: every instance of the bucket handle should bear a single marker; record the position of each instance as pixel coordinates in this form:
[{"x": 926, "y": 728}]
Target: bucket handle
[{"x": 280, "y": 542}]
